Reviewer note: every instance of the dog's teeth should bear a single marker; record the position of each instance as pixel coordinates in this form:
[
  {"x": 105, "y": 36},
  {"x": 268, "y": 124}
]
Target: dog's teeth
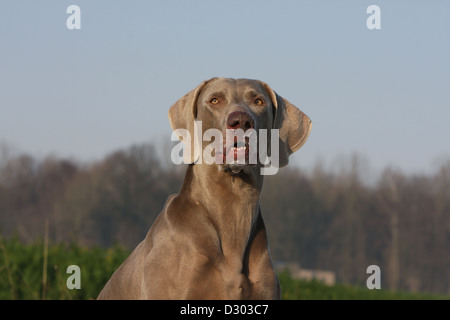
[{"x": 239, "y": 148}]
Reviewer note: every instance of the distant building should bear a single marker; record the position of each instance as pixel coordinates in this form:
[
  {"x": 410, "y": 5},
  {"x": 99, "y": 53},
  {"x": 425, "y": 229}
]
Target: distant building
[{"x": 296, "y": 272}]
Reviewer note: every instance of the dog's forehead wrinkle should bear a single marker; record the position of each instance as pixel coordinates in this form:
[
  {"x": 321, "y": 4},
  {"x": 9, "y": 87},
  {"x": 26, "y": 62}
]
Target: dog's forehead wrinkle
[
  {"x": 234, "y": 85},
  {"x": 218, "y": 90}
]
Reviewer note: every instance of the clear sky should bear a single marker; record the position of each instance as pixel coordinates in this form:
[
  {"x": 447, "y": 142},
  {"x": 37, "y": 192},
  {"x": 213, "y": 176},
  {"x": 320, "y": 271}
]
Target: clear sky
[{"x": 85, "y": 93}]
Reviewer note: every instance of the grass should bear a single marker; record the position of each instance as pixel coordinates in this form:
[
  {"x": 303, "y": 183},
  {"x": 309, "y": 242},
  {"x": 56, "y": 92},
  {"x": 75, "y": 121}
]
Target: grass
[
  {"x": 293, "y": 289},
  {"x": 25, "y": 275},
  {"x": 38, "y": 271}
]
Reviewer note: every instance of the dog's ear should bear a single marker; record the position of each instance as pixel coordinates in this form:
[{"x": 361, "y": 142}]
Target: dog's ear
[
  {"x": 293, "y": 125},
  {"x": 182, "y": 115}
]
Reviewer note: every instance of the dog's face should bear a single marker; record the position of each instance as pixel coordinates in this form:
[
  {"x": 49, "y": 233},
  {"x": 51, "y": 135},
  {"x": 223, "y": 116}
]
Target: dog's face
[
  {"x": 241, "y": 106},
  {"x": 232, "y": 104}
]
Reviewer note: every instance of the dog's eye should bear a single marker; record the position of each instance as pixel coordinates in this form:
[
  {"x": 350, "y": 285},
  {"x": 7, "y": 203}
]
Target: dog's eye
[
  {"x": 214, "y": 101},
  {"x": 259, "y": 102}
]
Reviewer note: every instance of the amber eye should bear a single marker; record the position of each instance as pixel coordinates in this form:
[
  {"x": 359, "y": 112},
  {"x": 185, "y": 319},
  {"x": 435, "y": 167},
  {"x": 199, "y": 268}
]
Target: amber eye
[
  {"x": 214, "y": 101},
  {"x": 259, "y": 102}
]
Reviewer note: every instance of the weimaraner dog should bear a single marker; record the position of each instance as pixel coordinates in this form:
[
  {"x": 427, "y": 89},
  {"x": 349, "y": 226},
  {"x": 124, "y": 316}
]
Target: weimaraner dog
[{"x": 209, "y": 241}]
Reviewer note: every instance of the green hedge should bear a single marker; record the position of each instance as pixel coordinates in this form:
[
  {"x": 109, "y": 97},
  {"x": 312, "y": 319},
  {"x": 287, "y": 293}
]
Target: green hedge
[
  {"x": 22, "y": 269},
  {"x": 314, "y": 290},
  {"x": 22, "y": 274}
]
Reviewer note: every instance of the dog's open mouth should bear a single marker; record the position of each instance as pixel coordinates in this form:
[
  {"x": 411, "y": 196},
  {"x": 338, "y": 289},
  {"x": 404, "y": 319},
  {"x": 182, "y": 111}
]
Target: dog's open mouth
[
  {"x": 236, "y": 154},
  {"x": 239, "y": 152}
]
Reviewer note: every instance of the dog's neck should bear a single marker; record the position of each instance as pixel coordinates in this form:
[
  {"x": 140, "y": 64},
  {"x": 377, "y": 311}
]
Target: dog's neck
[{"x": 231, "y": 200}]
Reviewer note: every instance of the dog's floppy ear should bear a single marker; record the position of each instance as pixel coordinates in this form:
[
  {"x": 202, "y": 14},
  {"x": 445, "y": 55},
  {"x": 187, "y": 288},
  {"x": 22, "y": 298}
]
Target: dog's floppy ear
[
  {"x": 293, "y": 125},
  {"x": 182, "y": 115}
]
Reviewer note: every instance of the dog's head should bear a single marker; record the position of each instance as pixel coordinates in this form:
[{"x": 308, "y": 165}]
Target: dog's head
[{"x": 238, "y": 109}]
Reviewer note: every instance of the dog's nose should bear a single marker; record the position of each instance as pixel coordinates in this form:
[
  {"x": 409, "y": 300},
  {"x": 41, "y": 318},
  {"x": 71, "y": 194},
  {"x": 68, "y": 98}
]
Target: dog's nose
[{"x": 240, "y": 120}]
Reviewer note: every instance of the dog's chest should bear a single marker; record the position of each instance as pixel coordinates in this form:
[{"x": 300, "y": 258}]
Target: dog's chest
[{"x": 238, "y": 287}]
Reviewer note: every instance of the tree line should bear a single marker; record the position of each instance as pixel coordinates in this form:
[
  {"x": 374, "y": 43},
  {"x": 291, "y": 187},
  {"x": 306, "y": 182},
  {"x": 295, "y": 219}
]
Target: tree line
[{"x": 320, "y": 218}]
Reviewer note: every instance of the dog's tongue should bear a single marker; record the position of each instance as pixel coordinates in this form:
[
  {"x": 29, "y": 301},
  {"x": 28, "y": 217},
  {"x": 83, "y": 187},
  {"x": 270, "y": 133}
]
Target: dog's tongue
[{"x": 239, "y": 154}]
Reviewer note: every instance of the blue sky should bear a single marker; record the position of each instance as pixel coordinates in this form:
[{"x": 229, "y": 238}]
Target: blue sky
[{"x": 85, "y": 93}]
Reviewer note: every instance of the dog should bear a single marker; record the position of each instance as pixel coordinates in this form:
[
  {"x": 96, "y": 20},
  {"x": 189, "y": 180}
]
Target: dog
[{"x": 209, "y": 241}]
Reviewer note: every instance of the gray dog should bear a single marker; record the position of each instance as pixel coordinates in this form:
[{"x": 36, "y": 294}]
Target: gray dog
[{"x": 209, "y": 241}]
